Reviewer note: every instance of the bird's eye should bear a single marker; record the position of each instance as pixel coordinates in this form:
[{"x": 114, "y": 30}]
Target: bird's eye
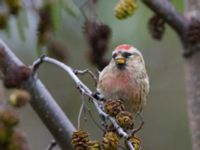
[
  {"x": 114, "y": 55},
  {"x": 126, "y": 55}
]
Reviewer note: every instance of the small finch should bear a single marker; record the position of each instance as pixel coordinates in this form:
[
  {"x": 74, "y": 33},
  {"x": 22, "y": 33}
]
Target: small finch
[{"x": 125, "y": 78}]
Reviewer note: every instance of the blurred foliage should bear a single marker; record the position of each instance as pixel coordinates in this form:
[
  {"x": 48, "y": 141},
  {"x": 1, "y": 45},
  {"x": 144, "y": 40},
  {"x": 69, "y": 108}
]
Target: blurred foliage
[{"x": 11, "y": 138}]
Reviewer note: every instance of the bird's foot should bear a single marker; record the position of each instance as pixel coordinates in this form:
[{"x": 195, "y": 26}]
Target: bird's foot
[{"x": 98, "y": 96}]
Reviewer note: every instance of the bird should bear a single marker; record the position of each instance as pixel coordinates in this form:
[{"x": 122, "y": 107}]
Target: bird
[{"x": 125, "y": 78}]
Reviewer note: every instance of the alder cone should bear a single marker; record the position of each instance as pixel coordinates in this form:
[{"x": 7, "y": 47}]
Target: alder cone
[
  {"x": 113, "y": 107},
  {"x": 80, "y": 140},
  {"x": 110, "y": 141}
]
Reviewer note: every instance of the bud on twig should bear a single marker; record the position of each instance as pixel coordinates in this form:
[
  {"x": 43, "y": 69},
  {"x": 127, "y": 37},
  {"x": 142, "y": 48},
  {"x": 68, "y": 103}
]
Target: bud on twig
[
  {"x": 156, "y": 27},
  {"x": 8, "y": 116},
  {"x": 14, "y": 76},
  {"x": 125, "y": 120},
  {"x": 125, "y": 8},
  {"x": 19, "y": 98},
  {"x": 113, "y": 107},
  {"x": 94, "y": 145},
  {"x": 80, "y": 140},
  {"x": 110, "y": 141},
  {"x": 193, "y": 33},
  {"x": 135, "y": 141}
]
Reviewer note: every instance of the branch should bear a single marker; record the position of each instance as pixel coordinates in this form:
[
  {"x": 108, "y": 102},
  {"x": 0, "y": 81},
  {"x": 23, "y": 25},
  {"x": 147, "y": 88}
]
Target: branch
[
  {"x": 166, "y": 10},
  {"x": 193, "y": 6},
  {"x": 77, "y": 72},
  {"x": 42, "y": 102},
  {"x": 84, "y": 89}
]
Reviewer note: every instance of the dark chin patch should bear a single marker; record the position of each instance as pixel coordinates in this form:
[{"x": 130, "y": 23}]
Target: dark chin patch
[{"x": 121, "y": 66}]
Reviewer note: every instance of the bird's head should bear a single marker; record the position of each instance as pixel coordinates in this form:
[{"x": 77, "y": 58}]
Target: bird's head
[{"x": 125, "y": 54}]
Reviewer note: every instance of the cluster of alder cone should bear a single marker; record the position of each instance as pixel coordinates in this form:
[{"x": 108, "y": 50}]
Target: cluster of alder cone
[{"x": 111, "y": 140}]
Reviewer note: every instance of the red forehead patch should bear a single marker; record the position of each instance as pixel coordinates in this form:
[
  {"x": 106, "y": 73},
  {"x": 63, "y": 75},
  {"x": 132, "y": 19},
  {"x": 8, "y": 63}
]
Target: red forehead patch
[{"x": 123, "y": 47}]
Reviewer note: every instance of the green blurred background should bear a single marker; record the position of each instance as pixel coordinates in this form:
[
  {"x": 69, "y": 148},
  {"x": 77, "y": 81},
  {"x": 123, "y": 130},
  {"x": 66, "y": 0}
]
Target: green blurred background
[{"x": 166, "y": 120}]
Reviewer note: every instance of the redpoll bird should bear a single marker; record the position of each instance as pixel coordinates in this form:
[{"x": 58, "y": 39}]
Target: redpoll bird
[{"x": 125, "y": 78}]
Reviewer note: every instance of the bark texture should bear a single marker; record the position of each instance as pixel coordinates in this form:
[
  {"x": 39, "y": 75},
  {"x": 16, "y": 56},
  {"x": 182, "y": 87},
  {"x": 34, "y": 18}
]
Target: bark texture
[
  {"x": 193, "y": 88},
  {"x": 192, "y": 65},
  {"x": 42, "y": 102}
]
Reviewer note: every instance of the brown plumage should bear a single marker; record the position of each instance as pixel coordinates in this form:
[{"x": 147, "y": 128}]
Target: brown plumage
[{"x": 125, "y": 78}]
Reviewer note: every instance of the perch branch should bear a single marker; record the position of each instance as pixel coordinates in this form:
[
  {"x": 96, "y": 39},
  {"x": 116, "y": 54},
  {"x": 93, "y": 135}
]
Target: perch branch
[
  {"x": 166, "y": 10},
  {"x": 83, "y": 88},
  {"x": 42, "y": 102}
]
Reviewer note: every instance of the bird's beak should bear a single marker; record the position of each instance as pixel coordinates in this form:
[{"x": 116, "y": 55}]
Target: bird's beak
[{"x": 120, "y": 60}]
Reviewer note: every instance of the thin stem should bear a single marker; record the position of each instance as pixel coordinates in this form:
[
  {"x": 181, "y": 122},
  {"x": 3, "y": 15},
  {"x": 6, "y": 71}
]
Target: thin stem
[
  {"x": 137, "y": 129},
  {"x": 81, "y": 110},
  {"x": 95, "y": 122},
  {"x": 130, "y": 145},
  {"x": 82, "y": 72},
  {"x": 51, "y": 145}
]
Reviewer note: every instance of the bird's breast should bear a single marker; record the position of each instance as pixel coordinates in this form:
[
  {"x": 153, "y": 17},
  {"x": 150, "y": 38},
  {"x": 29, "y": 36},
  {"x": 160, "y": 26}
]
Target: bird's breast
[{"x": 118, "y": 85}]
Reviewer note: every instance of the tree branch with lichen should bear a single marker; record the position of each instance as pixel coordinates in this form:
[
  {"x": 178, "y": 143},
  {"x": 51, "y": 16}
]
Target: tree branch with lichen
[{"x": 42, "y": 101}]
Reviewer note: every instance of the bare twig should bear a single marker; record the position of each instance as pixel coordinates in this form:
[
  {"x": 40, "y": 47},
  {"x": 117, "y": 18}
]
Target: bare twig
[
  {"x": 43, "y": 103},
  {"x": 81, "y": 110},
  {"x": 95, "y": 122},
  {"x": 51, "y": 145},
  {"x": 83, "y": 88},
  {"x": 165, "y": 9},
  {"x": 137, "y": 129},
  {"x": 82, "y": 72},
  {"x": 130, "y": 145}
]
